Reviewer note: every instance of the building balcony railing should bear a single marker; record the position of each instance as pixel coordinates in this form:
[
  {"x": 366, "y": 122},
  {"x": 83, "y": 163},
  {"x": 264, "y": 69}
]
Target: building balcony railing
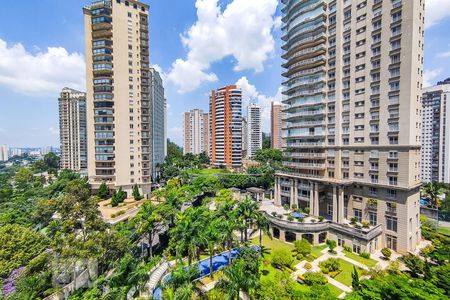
[{"x": 303, "y": 155}]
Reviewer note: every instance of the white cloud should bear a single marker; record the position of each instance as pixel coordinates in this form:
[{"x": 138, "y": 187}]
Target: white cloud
[
  {"x": 161, "y": 73},
  {"x": 175, "y": 134},
  {"x": 444, "y": 54},
  {"x": 243, "y": 31},
  {"x": 429, "y": 76},
  {"x": 42, "y": 73},
  {"x": 435, "y": 11},
  {"x": 251, "y": 94},
  {"x": 53, "y": 131}
]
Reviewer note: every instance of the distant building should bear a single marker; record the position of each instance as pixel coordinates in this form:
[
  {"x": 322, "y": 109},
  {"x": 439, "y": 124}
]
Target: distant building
[
  {"x": 165, "y": 128},
  {"x": 72, "y": 130},
  {"x": 158, "y": 108},
  {"x": 15, "y": 152},
  {"x": 254, "y": 134},
  {"x": 3, "y": 153},
  {"x": 276, "y": 126},
  {"x": 244, "y": 137},
  {"x": 435, "y": 151},
  {"x": 225, "y": 122},
  {"x": 196, "y": 132}
]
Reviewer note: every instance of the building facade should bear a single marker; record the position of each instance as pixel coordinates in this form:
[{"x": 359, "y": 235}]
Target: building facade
[
  {"x": 254, "y": 133},
  {"x": 118, "y": 99},
  {"x": 196, "y": 132},
  {"x": 352, "y": 95},
  {"x": 72, "y": 130},
  {"x": 276, "y": 125},
  {"x": 158, "y": 107},
  {"x": 4, "y": 153},
  {"x": 435, "y": 155},
  {"x": 244, "y": 137},
  {"x": 225, "y": 127}
]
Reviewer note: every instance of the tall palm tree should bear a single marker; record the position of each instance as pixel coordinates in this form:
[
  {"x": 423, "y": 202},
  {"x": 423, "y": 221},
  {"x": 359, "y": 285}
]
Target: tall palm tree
[
  {"x": 180, "y": 283},
  {"x": 433, "y": 190},
  {"x": 263, "y": 225},
  {"x": 247, "y": 213},
  {"x": 227, "y": 214},
  {"x": 211, "y": 237},
  {"x": 148, "y": 222}
]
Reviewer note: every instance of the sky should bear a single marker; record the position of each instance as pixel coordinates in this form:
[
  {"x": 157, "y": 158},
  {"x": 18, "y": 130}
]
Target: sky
[{"x": 197, "y": 45}]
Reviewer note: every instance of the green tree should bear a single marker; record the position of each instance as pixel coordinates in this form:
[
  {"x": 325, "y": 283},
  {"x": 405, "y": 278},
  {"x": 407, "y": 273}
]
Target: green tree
[
  {"x": 23, "y": 179},
  {"x": 148, "y": 222},
  {"x": 103, "y": 191},
  {"x": 247, "y": 212},
  {"x": 212, "y": 237},
  {"x": 180, "y": 285},
  {"x": 386, "y": 253},
  {"x": 433, "y": 191},
  {"x": 315, "y": 278},
  {"x": 302, "y": 247},
  {"x": 263, "y": 226},
  {"x": 18, "y": 245},
  {"x": 282, "y": 258},
  {"x": 414, "y": 264},
  {"x": 331, "y": 245},
  {"x": 355, "y": 279},
  {"x": 136, "y": 195}
]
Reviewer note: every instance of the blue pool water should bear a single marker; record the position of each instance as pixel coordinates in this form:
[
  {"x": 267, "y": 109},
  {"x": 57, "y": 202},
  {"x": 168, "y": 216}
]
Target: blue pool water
[
  {"x": 297, "y": 215},
  {"x": 219, "y": 261},
  {"x": 424, "y": 201}
]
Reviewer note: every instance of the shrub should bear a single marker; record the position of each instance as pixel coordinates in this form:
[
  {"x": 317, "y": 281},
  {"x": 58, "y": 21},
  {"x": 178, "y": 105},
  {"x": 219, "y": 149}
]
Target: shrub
[
  {"x": 321, "y": 219},
  {"x": 314, "y": 278},
  {"x": 290, "y": 218},
  {"x": 301, "y": 220},
  {"x": 136, "y": 195},
  {"x": 331, "y": 244},
  {"x": 274, "y": 214},
  {"x": 294, "y": 206},
  {"x": 365, "y": 224},
  {"x": 364, "y": 254},
  {"x": 302, "y": 247},
  {"x": 298, "y": 256},
  {"x": 353, "y": 221},
  {"x": 286, "y": 206},
  {"x": 306, "y": 210},
  {"x": 386, "y": 253},
  {"x": 347, "y": 248},
  {"x": 334, "y": 273},
  {"x": 313, "y": 220},
  {"x": 282, "y": 258},
  {"x": 330, "y": 265},
  {"x": 307, "y": 266}
]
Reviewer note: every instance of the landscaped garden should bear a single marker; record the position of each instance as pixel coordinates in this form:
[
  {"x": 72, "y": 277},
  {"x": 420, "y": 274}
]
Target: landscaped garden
[{"x": 366, "y": 261}]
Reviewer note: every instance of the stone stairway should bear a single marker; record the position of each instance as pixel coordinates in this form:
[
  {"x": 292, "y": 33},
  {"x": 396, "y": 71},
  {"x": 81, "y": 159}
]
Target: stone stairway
[{"x": 156, "y": 276}]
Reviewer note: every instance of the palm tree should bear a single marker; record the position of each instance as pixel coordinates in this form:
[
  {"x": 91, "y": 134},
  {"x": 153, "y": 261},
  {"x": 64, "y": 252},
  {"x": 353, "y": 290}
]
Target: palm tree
[
  {"x": 433, "y": 190},
  {"x": 263, "y": 225},
  {"x": 247, "y": 211},
  {"x": 148, "y": 222},
  {"x": 227, "y": 214},
  {"x": 180, "y": 283},
  {"x": 212, "y": 236}
]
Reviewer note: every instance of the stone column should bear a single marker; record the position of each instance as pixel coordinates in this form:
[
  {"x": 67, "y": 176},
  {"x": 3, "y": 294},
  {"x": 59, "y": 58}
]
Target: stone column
[
  {"x": 277, "y": 192},
  {"x": 311, "y": 198},
  {"x": 316, "y": 199},
  {"x": 282, "y": 236},
  {"x": 335, "y": 204},
  {"x": 295, "y": 199},
  {"x": 292, "y": 193},
  {"x": 340, "y": 204},
  {"x": 315, "y": 238}
]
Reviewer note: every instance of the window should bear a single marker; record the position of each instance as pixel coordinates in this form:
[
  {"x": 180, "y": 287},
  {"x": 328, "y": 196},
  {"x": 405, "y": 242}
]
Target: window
[
  {"x": 372, "y": 218},
  {"x": 391, "y": 242},
  {"x": 393, "y": 180},
  {"x": 356, "y": 248},
  {"x": 330, "y": 209},
  {"x": 392, "y": 194},
  {"x": 391, "y": 223},
  {"x": 357, "y": 214},
  {"x": 372, "y": 191}
]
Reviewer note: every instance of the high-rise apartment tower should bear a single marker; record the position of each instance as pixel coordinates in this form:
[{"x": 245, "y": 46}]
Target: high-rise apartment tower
[
  {"x": 225, "y": 127},
  {"x": 158, "y": 104},
  {"x": 254, "y": 133},
  {"x": 196, "y": 132},
  {"x": 118, "y": 94},
  {"x": 276, "y": 125},
  {"x": 435, "y": 152},
  {"x": 72, "y": 130},
  {"x": 353, "y": 73}
]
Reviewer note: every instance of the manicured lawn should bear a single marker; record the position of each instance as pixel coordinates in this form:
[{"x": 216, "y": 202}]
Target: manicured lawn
[
  {"x": 316, "y": 250},
  {"x": 444, "y": 230},
  {"x": 345, "y": 276},
  {"x": 209, "y": 171},
  {"x": 272, "y": 243},
  {"x": 368, "y": 262},
  {"x": 334, "y": 290}
]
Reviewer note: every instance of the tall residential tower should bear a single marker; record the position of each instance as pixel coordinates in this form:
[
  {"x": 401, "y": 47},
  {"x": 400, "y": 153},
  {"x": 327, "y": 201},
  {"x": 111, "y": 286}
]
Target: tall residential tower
[
  {"x": 158, "y": 107},
  {"x": 435, "y": 152},
  {"x": 353, "y": 74},
  {"x": 254, "y": 133},
  {"x": 225, "y": 127},
  {"x": 276, "y": 125},
  {"x": 72, "y": 130},
  {"x": 118, "y": 94},
  {"x": 196, "y": 132}
]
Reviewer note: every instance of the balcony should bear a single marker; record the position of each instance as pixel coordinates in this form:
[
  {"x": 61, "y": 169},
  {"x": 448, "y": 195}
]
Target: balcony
[{"x": 304, "y": 165}]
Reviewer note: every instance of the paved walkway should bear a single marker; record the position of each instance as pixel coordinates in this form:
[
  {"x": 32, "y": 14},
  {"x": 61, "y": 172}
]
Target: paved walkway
[{"x": 339, "y": 285}]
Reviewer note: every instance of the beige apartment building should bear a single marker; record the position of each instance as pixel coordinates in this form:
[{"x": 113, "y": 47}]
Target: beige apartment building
[
  {"x": 72, "y": 130},
  {"x": 353, "y": 79},
  {"x": 118, "y": 101},
  {"x": 196, "y": 132},
  {"x": 276, "y": 125}
]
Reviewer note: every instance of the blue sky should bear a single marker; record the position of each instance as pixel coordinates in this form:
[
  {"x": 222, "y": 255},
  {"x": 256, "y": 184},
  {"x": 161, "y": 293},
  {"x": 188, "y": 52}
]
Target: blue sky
[{"x": 198, "y": 45}]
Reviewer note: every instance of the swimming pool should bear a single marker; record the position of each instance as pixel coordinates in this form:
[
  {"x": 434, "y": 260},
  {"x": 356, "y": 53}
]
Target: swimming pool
[
  {"x": 297, "y": 215},
  {"x": 218, "y": 262}
]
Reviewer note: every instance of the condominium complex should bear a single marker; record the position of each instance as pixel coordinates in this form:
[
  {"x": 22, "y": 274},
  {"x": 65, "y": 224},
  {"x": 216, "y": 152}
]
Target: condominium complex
[
  {"x": 118, "y": 99},
  {"x": 276, "y": 125},
  {"x": 352, "y": 95},
  {"x": 196, "y": 132},
  {"x": 158, "y": 107},
  {"x": 225, "y": 127},
  {"x": 3, "y": 153},
  {"x": 254, "y": 134},
  {"x": 435, "y": 152},
  {"x": 72, "y": 130}
]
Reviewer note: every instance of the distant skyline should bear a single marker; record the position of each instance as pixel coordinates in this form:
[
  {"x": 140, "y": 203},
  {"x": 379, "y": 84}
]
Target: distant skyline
[{"x": 199, "y": 46}]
